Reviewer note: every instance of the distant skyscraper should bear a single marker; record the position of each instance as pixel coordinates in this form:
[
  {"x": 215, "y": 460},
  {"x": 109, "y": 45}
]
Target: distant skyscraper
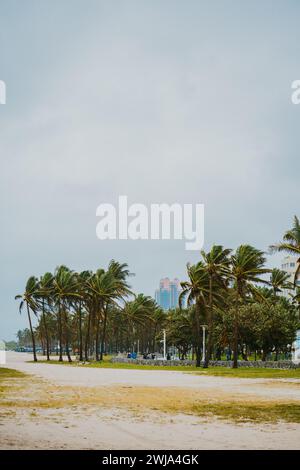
[{"x": 168, "y": 293}]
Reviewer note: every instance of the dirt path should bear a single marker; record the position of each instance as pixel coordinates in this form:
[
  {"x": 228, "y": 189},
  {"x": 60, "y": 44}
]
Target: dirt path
[{"x": 92, "y": 377}]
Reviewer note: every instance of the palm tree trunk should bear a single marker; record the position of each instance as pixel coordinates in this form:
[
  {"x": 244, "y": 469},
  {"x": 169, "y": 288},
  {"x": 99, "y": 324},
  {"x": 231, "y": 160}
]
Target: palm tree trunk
[
  {"x": 46, "y": 332},
  {"x": 80, "y": 334},
  {"x": 210, "y": 326},
  {"x": 42, "y": 342},
  {"x": 197, "y": 345},
  {"x": 97, "y": 339},
  {"x": 198, "y": 356},
  {"x": 87, "y": 338},
  {"x": 32, "y": 334},
  {"x": 67, "y": 336},
  {"x": 103, "y": 334},
  {"x": 235, "y": 336},
  {"x": 154, "y": 336},
  {"x": 60, "y": 332},
  {"x": 68, "y": 350}
]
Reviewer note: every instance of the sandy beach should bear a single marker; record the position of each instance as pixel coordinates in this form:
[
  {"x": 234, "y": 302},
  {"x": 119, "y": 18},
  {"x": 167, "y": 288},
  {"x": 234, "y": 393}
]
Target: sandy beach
[{"x": 116, "y": 409}]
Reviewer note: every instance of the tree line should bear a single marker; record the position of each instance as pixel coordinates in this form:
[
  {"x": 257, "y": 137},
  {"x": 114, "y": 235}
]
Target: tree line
[{"x": 232, "y": 293}]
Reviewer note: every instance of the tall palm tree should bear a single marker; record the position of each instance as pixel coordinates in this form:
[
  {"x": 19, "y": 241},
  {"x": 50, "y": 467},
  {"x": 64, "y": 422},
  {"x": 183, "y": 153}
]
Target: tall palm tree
[
  {"x": 44, "y": 294},
  {"x": 157, "y": 323},
  {"x": 107, "y": 287},
  {"x": 120, "y": 272},
  {"x": 291, "y": 244},
  {"x": 216, "y": 263},
  {"x": 82, "y": 291},
  {"x": 196, "y": 290},
  {"x": 28, "y": 298},
  {"x": 65, "y": 290},
  {"x": 99, "y": 290},
  {"x": 90, "y": 307},
  {"x": 138, "y": 311},
  {"x": 246, "y": 269}
]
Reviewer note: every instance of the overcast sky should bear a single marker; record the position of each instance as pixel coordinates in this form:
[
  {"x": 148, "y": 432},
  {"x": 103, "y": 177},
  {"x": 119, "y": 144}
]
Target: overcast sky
[{"x": 160, "y": 100}]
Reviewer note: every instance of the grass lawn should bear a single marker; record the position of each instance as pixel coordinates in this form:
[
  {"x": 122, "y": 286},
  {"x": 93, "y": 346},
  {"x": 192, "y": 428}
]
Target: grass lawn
[{"x": 241, "y": 372}]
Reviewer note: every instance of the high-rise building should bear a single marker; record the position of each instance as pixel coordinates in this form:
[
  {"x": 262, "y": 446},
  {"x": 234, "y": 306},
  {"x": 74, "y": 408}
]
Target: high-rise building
[
  {"x": 289, "y": 265},
  {"x": 175, "y": 290},
  {"x": 167, "y": 296}
]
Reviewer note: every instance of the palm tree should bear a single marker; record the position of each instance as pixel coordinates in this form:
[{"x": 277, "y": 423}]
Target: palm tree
[
  {"x": 65, "y": 290},
  {"x": 107, "y": 287},
  {"x": 291, "y": 244},
  {"x": 245, "y": 270},
  {"x": 180, "y": 330},
  {"x": 138, "y": 311},
  {"x": 90, "y": 306},
  {"x": 82, "y": 291},
  {"x": 99, "y": 291},
  {"x": 29, "y": 299},
  {"x": 196, "y": 290},
  {"x": 216, "y": 264},
  {"x": 279, "y": 280},
  {"x": 120, "y": 272},
  {"x": 44, "y": 293},
  {"x": 157, "y": 323}
]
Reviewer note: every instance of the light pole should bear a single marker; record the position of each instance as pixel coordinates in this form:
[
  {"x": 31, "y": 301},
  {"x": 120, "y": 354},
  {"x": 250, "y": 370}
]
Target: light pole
[
  {"x": 203, "y": 342},
  {"x": 164, "y": 341}
]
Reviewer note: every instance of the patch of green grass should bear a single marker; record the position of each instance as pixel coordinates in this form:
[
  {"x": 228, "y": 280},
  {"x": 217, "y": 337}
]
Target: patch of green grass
[
  {"x": 251, "y": 373},
  {"x": 10, "y": 374},
  {"x": 5, "y": 376},
  {"x": 241, "y": 372},
  {"x": 251, "y": 412},
  {"x": 113, "y": 365}
]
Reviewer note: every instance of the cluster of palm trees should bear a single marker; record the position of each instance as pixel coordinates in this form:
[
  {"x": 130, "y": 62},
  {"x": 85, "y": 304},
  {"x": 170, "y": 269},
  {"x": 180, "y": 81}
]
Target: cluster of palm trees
[
  {"x": 73, "y": 308},
  {"x": 87, "y": 311},
  {"x": 226, "y": 280}
]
